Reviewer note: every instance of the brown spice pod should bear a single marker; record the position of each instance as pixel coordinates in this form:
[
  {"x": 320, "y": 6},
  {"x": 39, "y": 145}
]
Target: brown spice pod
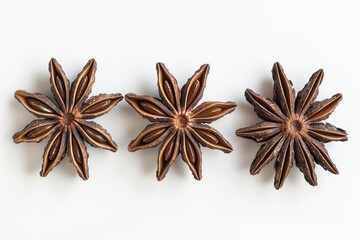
[
  {"x": 64, "y": 120},
  {"x": 178, "y": 123},
  {"x": 293, "y": 128}
]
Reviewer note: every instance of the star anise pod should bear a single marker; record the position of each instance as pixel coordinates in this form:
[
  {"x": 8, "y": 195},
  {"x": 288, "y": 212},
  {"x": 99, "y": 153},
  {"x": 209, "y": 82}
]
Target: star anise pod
[
  {"x": 65, "y": 119},
  {"x": 178, "y": 124},
  {"x": 293, "y": 128}
]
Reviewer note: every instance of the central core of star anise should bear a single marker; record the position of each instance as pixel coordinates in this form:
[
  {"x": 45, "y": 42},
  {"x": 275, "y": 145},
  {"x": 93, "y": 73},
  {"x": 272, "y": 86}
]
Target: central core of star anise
[
  {"x": 68, "y": 118},
  {"x": 295, "y": 126},
  {"x": 181, "y": 121}
]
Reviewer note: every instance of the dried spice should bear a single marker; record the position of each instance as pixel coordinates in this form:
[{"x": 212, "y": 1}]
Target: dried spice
[
  {"x": 178, "y": 123},
  {"x": 65, "y": 119},
  {"x": 293, "y": 128}
]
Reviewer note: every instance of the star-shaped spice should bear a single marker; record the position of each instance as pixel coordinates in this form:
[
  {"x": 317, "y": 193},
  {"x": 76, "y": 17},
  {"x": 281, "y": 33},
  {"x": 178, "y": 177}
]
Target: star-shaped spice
[
  {"x": 65, "y": 119},
  {"x": 293, "y": 128},
  {"x": 178, "y": 123}
]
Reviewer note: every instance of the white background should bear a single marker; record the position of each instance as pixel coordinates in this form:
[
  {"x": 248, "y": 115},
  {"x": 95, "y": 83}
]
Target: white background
[{"x": 122, "y": 199}]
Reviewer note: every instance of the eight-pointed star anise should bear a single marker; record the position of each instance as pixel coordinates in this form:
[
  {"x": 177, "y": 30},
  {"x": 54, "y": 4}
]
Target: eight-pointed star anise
[
  {"x": 293, "y": 128},
  {"x": 178, "y": 124},
  {"x": 64, "y": 119}
]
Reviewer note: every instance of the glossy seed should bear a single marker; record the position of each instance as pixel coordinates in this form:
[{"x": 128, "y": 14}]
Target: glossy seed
[
  {"x": 98, "y": 107},
  {"x": 208, "y": 136},
  {"x": 39, "y": 105},
  {"x": 169, "y": 150},
  {"x": 190, "y": 151},
  {"x": 210, "y": 112},
  {"x": 39, "y": 131},
  {"x": 94, "y": 134},
  {"x": 76, "y": 150},
  {"x": 151, "y": 108},
  {"x": 193, "y": 92},
  {"x": 84, "y": 82},
  {"x": 54, "y": 150},
  {"x": 152, "y": 136},
  {"x": 169, "y": 92},
  {"x": 60, "y": 86}
]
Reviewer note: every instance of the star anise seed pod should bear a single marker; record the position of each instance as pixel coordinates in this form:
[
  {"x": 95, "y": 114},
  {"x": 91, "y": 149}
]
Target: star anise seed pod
[
  {"x": 293, "y": 128},
  {"x": 65, "y": 119},
  {"x": 178, "y": 123}
]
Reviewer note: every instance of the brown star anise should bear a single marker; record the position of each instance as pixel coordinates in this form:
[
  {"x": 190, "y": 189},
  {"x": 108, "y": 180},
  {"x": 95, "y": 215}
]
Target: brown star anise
[
  {"x": 64, "y": 119},
  {"x": 178, "y": 125},
  {"x": 293, "y": 128}
]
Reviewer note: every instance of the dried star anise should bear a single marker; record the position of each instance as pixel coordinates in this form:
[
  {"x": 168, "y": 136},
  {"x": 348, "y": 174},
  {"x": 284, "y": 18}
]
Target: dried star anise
[
  {"x": 293, "y": 128},
  {"x": 64, "y": 119},
  {"x": 178, "y": 124}
]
